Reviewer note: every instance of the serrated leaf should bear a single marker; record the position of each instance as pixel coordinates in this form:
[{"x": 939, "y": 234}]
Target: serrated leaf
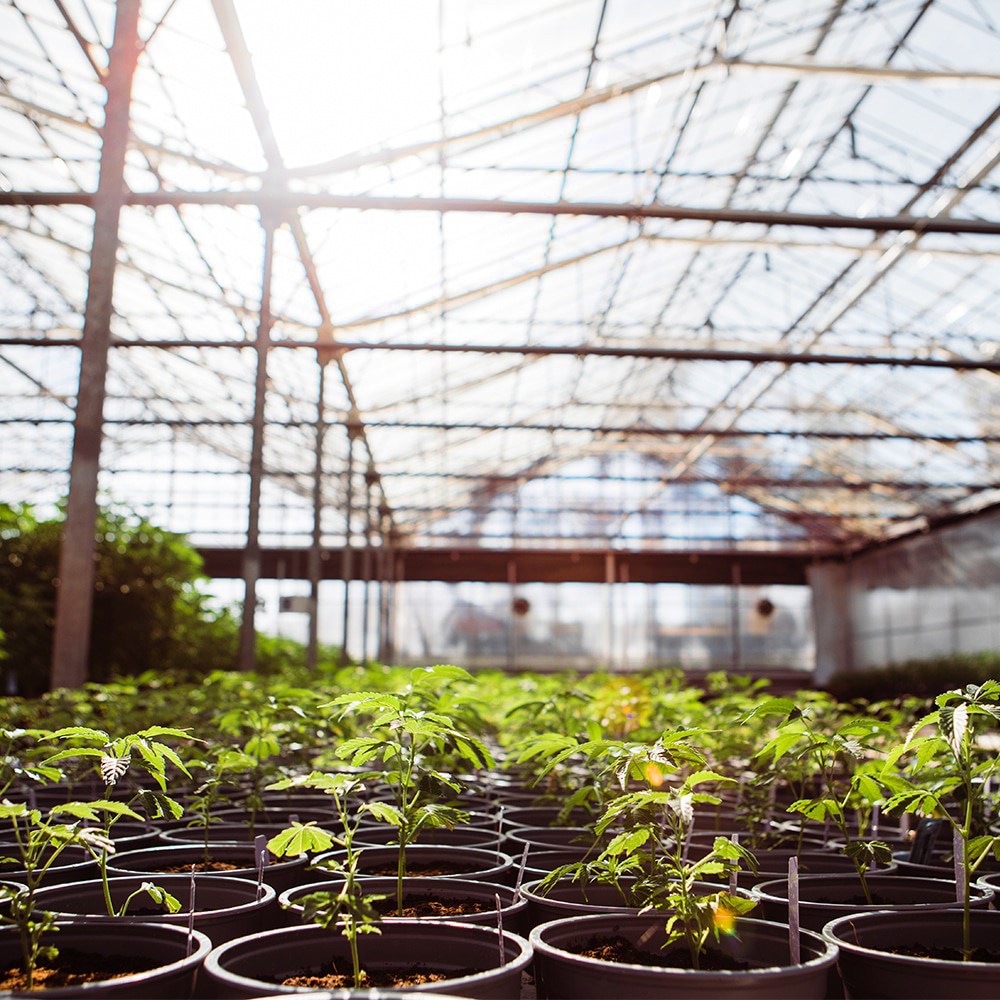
[
  {"x": 627, "y": 842},
  {"x": 301, "y": 838},
  {"x": 82, "y": 732},
  {"x": 385, "y": 812}
]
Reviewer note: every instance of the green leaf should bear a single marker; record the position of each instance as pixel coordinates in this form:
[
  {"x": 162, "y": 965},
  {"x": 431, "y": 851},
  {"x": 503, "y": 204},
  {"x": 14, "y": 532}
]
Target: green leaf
[
  {"x": 384, "y": 811},
  {"x": 161, "y": 897},
  {"x": 627, "y": 842},
  {"x": 82, "y": 732},
  {"x": 301, "y": 838}
]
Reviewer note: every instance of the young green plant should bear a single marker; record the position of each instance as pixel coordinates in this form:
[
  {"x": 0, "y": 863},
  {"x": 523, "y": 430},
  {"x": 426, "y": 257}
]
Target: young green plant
[
  {"x": 347, "y": 907},
  {"x": 413, "y": 740},
  {"x": 951, "y": 766}
]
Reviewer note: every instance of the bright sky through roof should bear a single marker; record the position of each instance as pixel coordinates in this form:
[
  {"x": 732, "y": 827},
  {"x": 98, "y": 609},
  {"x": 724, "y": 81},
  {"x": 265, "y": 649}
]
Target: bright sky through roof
[{"x": 338, "y": 76}]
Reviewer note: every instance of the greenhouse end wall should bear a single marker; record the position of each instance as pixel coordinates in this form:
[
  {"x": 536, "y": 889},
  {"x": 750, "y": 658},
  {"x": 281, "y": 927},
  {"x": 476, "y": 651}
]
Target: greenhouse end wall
[{"x": 925, "y": 596}]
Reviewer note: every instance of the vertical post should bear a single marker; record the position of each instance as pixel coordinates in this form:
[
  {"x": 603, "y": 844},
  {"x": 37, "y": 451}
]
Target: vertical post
[
  {"x": 609, "y": 582},
  {"x": 385, "y": 563},
  {"x": 75, "y": 596},
  {"x": 511, "y": 615},
  {"x": 366, "y": 574},
  {"x": 347, "y": 563},
  {"x": 315, "y": 549},
  {"x": 251, "y": 554},
  {"x": 737, "y": 638}
]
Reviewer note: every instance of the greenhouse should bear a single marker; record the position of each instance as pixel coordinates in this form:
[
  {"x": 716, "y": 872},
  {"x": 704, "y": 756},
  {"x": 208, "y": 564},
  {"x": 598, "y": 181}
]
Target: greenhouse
[
  {"x": 500, "y": 499},
  {"x": 581, "y": 334}
]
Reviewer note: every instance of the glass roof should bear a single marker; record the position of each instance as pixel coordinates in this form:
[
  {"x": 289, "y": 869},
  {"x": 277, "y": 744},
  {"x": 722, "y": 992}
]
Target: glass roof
[{"x": 697, "y": 274}]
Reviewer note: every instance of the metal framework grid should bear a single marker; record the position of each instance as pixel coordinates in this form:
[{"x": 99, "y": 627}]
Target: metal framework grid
[{"x": 663, "y": 277}]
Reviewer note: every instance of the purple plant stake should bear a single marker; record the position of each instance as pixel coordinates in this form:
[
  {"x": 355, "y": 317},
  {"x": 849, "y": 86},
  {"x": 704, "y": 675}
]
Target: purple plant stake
[
  {"x": 793, "y": 910},
  {"x": 959, "y": 865},
  {"x": 496, "y": 896},
  {"x": 734, "y": 872},
  {"x": 499, "y": 831},
  {"x": 190, "y": 940},
  {"x": 520, "y": 871},
  {"x": 259, "y": 857}
]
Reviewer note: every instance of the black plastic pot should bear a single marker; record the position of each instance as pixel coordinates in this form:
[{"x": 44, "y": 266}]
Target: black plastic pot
[
  {"x": 539, "y": 816},
  {"x": 73, "y": 864},
  {"x": 871, "y": 966},
  {"x": 435, "y": 836},
  {"x": 279, "y": 873},
  {"x": 567, "y": 898},
  {"x": 513, "y": 907},
  {"x": 249, "y": 967},
  {"x": 223, "y": 833},
  {"x": 224, "y": 907},
  {"x": 562, "y": 973},
  {"x": 825, "y": 897},
  {"x": 548, "y": 838},
  {"x": 167, "y": 945},
  {"x": 479, "y": 863}
]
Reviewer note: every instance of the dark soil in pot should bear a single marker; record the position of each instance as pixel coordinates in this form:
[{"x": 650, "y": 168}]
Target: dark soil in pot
[
  {"x": 236, "y": 860},
  {"x": 443, "y": 861},
  {"x": 466, "y": 960},
  {"x": 464, "y": 900},
  {"x": 138, "y": 962},
  {"x": 622, "y": 950}
]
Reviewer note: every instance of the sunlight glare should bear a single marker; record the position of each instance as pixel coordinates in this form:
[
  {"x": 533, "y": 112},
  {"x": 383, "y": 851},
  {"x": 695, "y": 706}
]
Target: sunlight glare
[{"x": 340, "y": 76}]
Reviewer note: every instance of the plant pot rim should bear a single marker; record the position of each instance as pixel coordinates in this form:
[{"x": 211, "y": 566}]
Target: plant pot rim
[
  {"x": 590, "y": 923},
  {"x": 256, "y": 895},
  {"x": 765, "y": 890},
  {"x": 201, "y": 948},
  {"x": 168, "y": 850},
  {"x": 892, "y": 918},
  {"x": 214, "y": 967},
  {"x": 454, "y": 886}
]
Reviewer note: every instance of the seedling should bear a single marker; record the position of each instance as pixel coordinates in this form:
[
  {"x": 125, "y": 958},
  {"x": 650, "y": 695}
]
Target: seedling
[
  {"x": 841, "y": 776},
  {"x": 946, "y": 743},
  {"x": 411, "y": 736},
  {"x": 115, "y": 757},
  {"x": 653, "y": 846},
  {"x": 348, "y": 907}
]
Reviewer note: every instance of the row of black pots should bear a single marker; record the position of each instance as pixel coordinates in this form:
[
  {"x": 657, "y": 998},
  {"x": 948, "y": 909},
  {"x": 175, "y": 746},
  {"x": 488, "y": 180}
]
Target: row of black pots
[
  {"x": 177, "y": 887},
  {"x": 482, "y": 962}
]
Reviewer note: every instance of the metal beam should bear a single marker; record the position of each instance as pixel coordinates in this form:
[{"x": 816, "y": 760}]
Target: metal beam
[
  {"x": 749, "y": 355},
  {"x": 284, "y": 200},
  {"x": 75, "y": 595},
  {"x": 457, "y": 564},
  {"x": 630, "y": 430}
]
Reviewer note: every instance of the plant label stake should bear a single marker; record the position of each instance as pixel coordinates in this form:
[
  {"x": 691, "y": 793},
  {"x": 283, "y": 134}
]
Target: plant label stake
[
  {"x": 496, "y": 896},
  {"x": 876, "y": 815},
  {"x": 190, "y": 938},
  {"x": 793, "y": 910},
  {"x": 259, "y": 853},
  {"x": 499, "y": 830},
  {"x": 520, "y": 871},
  {"x": 959, "y": 849},
  {"x": 733, "y": 873}
]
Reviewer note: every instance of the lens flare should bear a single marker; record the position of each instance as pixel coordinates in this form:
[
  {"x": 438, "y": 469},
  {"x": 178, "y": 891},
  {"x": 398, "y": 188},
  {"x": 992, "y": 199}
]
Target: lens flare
[
  {"x": 654, "y": 775},
  {"x": 725, "y": 920}
]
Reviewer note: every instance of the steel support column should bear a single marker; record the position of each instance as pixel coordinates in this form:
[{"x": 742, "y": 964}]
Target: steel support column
[
  {"x": 251, "y": 554},
  {"x": 75, "y": 596},
  {"x": 348, "y": 563},
  {"x": 315, "y": 550}
]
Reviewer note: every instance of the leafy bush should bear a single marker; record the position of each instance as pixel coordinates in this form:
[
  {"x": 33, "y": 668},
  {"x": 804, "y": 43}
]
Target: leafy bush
[
  {"x": 147, "y": 615},
  {"x": 921, "y": 678}
]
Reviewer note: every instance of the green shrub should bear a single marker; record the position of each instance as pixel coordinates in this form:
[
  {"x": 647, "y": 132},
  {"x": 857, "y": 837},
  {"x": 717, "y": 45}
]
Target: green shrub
[{"x": 920, "y": 678}]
